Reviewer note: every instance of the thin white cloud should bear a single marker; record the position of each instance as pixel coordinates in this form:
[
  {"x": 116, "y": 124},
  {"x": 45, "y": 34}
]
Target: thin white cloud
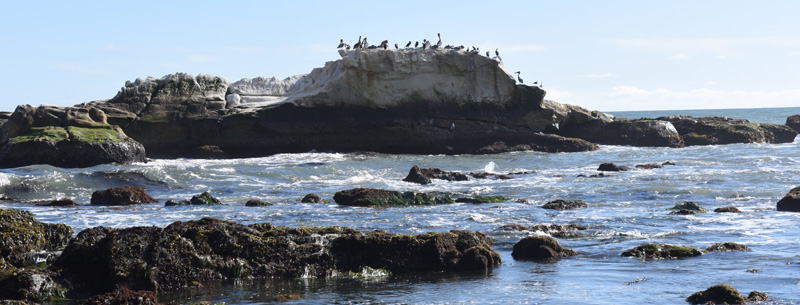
[
  {"x": 681, "y": 56},
  {"x": 711, "y": 83},
  {"x": 600, "y": 75}
]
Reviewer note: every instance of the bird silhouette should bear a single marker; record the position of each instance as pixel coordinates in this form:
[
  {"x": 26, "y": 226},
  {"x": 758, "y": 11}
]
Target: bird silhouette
[
  {"x": 519, "y": 78},
  {"x": 408, "y": 44},
  {"x": 341, "y": 44}
]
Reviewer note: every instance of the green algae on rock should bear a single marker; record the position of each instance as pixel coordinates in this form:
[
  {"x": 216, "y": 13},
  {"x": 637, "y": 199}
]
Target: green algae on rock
[{"x": 661, "y": 251}]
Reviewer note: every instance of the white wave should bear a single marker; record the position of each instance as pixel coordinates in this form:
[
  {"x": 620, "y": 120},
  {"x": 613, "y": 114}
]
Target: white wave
[{"x": 491, "y": 167}]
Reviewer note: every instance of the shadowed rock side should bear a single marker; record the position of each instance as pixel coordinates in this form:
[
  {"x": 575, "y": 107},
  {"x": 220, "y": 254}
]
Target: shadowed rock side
[
  {"x": 794, "y": 122},
  {"x": 540, "y": 248},
  {"x": 190, "y": 253},
  {"x": 791, "y": 201},
  {"x": 64, "y": 137}
]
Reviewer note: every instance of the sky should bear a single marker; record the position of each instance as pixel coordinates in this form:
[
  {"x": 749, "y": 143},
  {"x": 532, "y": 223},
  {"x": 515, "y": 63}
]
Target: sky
[{"x": 602, "y": 55}]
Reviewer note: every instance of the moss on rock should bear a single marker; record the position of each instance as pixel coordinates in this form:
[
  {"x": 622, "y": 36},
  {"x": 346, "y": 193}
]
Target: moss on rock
[{"x": 661, "y": 251}]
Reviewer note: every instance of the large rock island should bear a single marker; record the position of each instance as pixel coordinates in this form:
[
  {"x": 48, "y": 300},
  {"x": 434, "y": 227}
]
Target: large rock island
[{"x": 422, "y": 101}]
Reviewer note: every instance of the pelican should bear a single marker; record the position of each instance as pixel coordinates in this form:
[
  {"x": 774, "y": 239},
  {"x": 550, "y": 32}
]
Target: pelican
[
  {"x": 439, "y": 44},
  {"x": 384, "y": 44},
  {"x": 341, "y": 44},
  {"x": 358, "y": 44},
  {"x": 476, "y": 50},
  {"x": 425, "y": 44},
  {"x": 364, "y": 43},
  {"x": 519, "y": 78}
]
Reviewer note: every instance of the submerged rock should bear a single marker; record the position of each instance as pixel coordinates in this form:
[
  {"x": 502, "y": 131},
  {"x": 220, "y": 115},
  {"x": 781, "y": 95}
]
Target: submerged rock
[
  {"x": 369, "y": 197},
  {"x": 727, "y": 247},
  {"x": 424, "y": 175},
  {"x": 730, "y": 209},
  {"x": 562, "y": 205},
  {"x": 66, "y": 202},
  {"x": 661, "y": 251},
  {"x": 122, "y": 195},
  {"x": 257, "y": 203},
  {"x": 483, "y": 199},
  {"x": 611, "y": 167},
  {"x": 65, "y": 137},
  {"x": 189, "y": 253},
  {"x": 791, "y": 201},
  {"x": 311, "y": 198},
  {"x": 568, "y": 230},
  {"x": 204, "y": 198},
  {"x": 540, "y": 248},
  {"x": 687, "y": 208},
  {"x": 124, "y": 296},
  {"x": 724, "y": 294}
]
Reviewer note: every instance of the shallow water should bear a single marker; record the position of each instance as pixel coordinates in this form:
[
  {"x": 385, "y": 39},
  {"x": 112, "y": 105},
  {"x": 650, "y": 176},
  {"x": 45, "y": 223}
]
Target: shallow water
[{"x": 625, "y": 210}]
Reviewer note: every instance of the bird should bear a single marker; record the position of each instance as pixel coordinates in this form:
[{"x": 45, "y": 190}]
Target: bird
[
  {"x": 519, "y": 78},
  {"x": 408, "y": 44},
  {"x": 395, "y": 46},
  {"x": 416, "y": 44},
  {"x": 496, "y": 53},
  {"x": 439, "y": 44},
  {"x": 425, "y": 44},
  {"x": 341, "y": 44},
  {"x": 358, "y": 44},
  {"x": 384, "y": 43},
  {"x": 476, "y": 50},
  {"x": 541, "y": 85},
  {"x": 536, "y": 82},
  {"x": 487, "y": 54},
  {"x": 347, "y": 47}
]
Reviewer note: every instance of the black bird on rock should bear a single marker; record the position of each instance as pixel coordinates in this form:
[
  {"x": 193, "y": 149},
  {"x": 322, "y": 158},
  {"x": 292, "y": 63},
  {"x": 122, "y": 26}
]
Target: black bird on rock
[
  {"x": 408, "y": 44},
  {"x": 416, "y": 44},
  {"x": 341, "y": 44},
  {"x": 519, "y": 78}
]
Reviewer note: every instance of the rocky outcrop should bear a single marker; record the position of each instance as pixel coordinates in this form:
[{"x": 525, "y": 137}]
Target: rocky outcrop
[
  {"x": 190, "y": 253},
  {"x": 730, "y": 209},
  {"x": 611, "y": 167},
  {"x": 257, "y": 203},
  {"x": 124, "y": 296},
  {"x": 65, "y": 137},
  {"x": 724, "y": 130},
  {"x": 687, "y": 208},
  {"x": 311, "y": 198},
  {"x": 724, "y": 294},
  {"x": 726, "y": 247},
  {"x": 425, "y": 175},
  {"x": 561, "y": 205},
  {"x": 791, "y": 201},
  {"x": 122, "y": 195},
  {"x": 204, "y": 198},
  {"x": 661, "y": 251},
  {"x": 540, "y": 248},
  {"x": 794, "y": 122},
  {"x": 369, "y": 197}
]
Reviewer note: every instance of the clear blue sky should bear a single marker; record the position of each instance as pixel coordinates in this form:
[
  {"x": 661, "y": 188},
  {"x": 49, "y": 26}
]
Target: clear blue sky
[{"x": 604, "y": 55}]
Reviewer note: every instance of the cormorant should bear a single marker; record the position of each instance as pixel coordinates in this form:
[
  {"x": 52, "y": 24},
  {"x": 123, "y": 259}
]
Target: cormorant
[
  {"x": 395, "y": 46},
  {"x": 416, "y": 44},
  {"x": 536, "y": 82},
  {"x": 341, "y": 44},
  {"x": 408, "y": 44},
  {"x": 519, "y": 78},
  {"x": 487, "y": 53},
  {"x": 496, "y": 53},
  {"x": 425, "y": 44},
  {"x": 347, "y": 47}
]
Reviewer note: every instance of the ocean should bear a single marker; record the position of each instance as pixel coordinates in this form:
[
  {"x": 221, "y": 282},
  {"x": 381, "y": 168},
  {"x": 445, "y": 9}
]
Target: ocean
[{"x": 625, "y": 210}]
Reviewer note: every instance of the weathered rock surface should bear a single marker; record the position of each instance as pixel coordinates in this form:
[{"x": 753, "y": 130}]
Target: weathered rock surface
[
  {"x": 22, "y": 236},
  {"x": 611, "y": 167},
  {"x": 64, "y": 137},
  {"x": 540, "y": 248},
  {"x": 425, "y": 175},
  {"x": 204, "y": 198},
  {"x": 311, "y": 198},
  {"x": 724, "y": 294},
  {"x": 124, "y": 296},
  {"x": 35, "y": 284},
  {"x": 794, "y": 122},
  {"x": 257, "y": 203},
  {"x": 190, "y": 253},
  {"x": 122, "y": 195},
  {"x": 661, "y": 251},
  {"x": 561, "y": 205},
  {"x": 727, "y": 247},
  {"x": 369, "y": 197},
  {"x": 730, "y": 209},
  {"x": 66, "y": 202},
  {"x": 791, "y": 201},
  {"x": 724, "y": 130},
  {"x": 687, "y": 208}
]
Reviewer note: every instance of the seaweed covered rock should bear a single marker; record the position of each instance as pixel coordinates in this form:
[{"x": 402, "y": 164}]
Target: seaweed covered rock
[
  {"x": 124, "y": 296},
  {"x": 191, "y": 253},
  {"x": 311, "y": 198},
  {"x": 257, "y": 203},
  {"x": 611, "y": 167},
  {"x": 729, "y": 209},
  {"x": 66, "y": 202},
  {"x": 201, "y": 199},
  {"x": 122, "y": 195},
  {"x": 687, "y": 208},
  {"x": 540, "y": 248},
  {"x": 727, "y": 247},
  {"x": 369, "y": 197},
  {"x": 724, "y": 294},
  {"x": 22, "y": 236},
  {"x": 33, "y": 284},
  {"x": 661, "y": 251},
  {"x": 561, "y": 205},
  {"x": 424, "y": 175},
  {"x": 483, "y": 199},
  {"x": 65, "y": 137},
  {"x": 791, "y": 201}
]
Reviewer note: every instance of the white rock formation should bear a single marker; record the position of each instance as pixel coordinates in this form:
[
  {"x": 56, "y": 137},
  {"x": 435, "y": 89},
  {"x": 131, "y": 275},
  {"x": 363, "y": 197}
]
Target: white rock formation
[{"x": 385, "y": 78}]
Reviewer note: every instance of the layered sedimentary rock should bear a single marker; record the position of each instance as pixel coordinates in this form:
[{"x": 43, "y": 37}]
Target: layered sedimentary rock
[{"x": 64, "y": 137}]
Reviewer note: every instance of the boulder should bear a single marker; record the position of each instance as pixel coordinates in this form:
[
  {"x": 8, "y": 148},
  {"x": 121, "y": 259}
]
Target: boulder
[
  {"x": 562, "y": 205},
  {"x": 791, "y": 201},
  {"x": 122, "y": 195},
  {"x": 540, "y": 248},
  {"x": 370, "y": 197},
  {"x": 687, "y": 208},
  {"x": 597, "y": 127},
  {"x": 727, "y": 247},
  {"x": 33, "y": 284},
  {"x": 124, "y": 296},
  {"x": 611, "y": 167},
  {"x": 66, "y": 202},
  {"x": 65, "y": 137},
  {"x": 184, "y": 254},
  {"x": 730, "y": 209},
  {"x": 724, "y": 294},
  {"x": 23, "y": 237},
  {"x": 204, "y": 198},
  {"x": 482, "y": 199},
  {"x": 793, "y": 122},
  {"x": 311, "y": 198},
  {"x": 424, "y": 175},
  {"x": 661, "y": 251},
  {"x": 257, "y": 203}
]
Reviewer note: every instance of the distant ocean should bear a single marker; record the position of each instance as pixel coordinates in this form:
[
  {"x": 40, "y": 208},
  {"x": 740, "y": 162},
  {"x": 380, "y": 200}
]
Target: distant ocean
[{"x": 625, "y": 210}]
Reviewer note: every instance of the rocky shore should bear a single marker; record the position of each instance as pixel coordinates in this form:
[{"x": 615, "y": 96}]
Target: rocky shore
[{"x": 390, "y": 101}]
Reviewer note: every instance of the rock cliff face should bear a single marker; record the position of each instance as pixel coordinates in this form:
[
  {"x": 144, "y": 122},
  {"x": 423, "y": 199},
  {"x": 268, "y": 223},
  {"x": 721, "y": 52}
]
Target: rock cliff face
[{"x": 392, "y": 101}]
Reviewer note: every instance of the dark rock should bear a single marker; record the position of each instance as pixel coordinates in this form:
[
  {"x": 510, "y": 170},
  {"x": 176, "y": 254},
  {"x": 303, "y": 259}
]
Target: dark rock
[
  {"x": 540, "y": 142},
  {"x": 65, "y": 137},
  {"x": 600, "y": 175},
  {"x": 668, "y": 163},
  {"x": 649, "y": 166},
  {"x": 791, "y": 201},
  {"x": 724, "y": 130},
  {"x": 209, "y": 152},
  {"x": 124, "y": 296},
  {"x": 727, "y": 210},
  {"x": 424, "y": 175},
  {"x": 540, "y": 248},
  {"x": 185, "y": 254},
  {"x": 257, "y": 203},
  {"x": 311, "y": 198},
  {"x": 369, "y": 197},
  {"x": 793, "y": 122},
  {"x": 561, "y": 205},
  {"x": 22, "y": 236},
  {"x": 775, "y": 133},
  {"x": 124, "y": 177},
  {"x": 204, "y": 198},
  {"x": 601, "y": 128},
  {"x": 687, "y": 208},
  {"x": 483, "y": 199},
  {"x": 66, "y": 202},
  {"x": 757, "y": 296},
  {"x": 122, "y": 195},
  {"x": 727, "y": 247},
  {"x": 16, "y": 302},
  {"x": 31, "y": 284},
  {"x": 661, "y": 251},
  {"x": 611, "y": 167},
  {"x": 717, "y": 294}
]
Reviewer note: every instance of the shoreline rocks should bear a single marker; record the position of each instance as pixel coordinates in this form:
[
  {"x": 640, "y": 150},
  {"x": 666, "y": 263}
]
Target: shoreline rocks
[
  {"x": 122, "y": 195},
  {"x": 369, "y": 197},
  {"x": 540, "y": 248},
  {"x": 562, "y": 205},
  {"x": 791, "y": 201}
]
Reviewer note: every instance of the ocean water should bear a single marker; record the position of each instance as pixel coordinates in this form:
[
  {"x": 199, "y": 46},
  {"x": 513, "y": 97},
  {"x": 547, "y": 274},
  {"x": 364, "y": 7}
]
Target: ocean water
[{"x": 625, "y": 210}]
